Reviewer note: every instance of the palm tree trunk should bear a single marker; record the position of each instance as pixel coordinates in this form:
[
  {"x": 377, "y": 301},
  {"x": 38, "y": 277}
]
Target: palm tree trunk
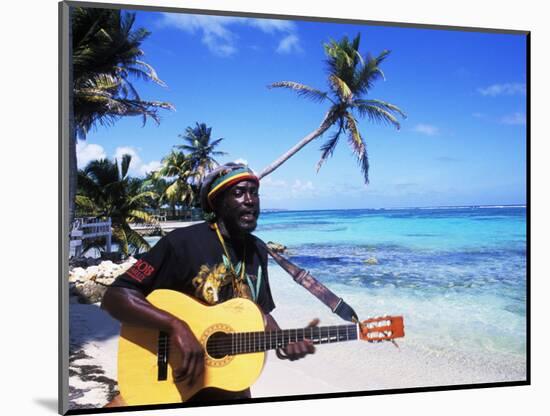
[{"x": 324, "y": 126}]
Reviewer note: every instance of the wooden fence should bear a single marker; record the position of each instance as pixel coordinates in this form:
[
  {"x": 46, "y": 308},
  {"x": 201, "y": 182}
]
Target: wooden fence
[{"x": 88, "y": 228}]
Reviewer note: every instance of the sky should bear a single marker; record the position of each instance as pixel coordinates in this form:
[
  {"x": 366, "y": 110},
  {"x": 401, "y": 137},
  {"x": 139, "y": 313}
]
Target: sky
[{"x": 464, "y": 93}]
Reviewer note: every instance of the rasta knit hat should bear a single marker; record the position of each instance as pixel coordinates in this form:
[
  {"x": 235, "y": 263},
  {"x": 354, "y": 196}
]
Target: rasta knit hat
[{"x": 222, "y": 178}]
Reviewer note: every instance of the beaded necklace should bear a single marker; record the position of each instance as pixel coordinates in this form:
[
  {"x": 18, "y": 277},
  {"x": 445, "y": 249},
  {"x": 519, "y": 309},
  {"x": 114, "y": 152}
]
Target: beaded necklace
[{"x": 254, "y": 289}]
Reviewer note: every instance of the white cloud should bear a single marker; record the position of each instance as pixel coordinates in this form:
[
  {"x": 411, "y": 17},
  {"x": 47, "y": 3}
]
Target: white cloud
[
  {"x": 215, "y": 35},
  {"x": 503, "y": 89},
  {"x": 274, "y": 189},
  {"x": 218, "y": 37},
  {"x": 289, "y": 44},
  {"x": 279, "y": 189},
  {"x": 86, "y": 152},
  {"x": 276, "y": 183},
  {"x": 426, "y": 129},
  {"x": 299, "y": 186},
  {"x": 137, "y": 166},
  {"x": 272, "y": 26},
  {"x": 514, "y": 119},
  {"x": 241, "y": 161},
  {"x": 150, "y": 167},
  {"x": 126, "y": 150}
]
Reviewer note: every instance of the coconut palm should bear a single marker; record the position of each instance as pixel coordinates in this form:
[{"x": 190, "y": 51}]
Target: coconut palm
[
  {"x": 106, "y": 190},
  {"x": 157, "y": 184},
  {"x": 106, "y": 55},
  {"x": 350, "y": 78},
  {"x": 200, "y": 149},
  {"x": 178, "y": 170}
]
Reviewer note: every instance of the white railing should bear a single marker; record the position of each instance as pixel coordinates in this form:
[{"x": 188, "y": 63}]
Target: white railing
[{"x": 87, "y": 228}]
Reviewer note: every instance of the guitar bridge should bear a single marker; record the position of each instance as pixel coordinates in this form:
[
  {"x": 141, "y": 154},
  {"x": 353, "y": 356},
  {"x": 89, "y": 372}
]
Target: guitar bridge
[{"x": 162, "y": 356}]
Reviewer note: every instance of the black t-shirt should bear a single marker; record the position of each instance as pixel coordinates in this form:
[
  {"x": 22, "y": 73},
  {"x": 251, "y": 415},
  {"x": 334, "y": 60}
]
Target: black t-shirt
[{"x": 191, "y": 260}]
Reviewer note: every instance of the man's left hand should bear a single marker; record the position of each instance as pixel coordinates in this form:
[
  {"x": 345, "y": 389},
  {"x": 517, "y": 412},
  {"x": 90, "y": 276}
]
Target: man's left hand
[{"x": 296, "y": 350}]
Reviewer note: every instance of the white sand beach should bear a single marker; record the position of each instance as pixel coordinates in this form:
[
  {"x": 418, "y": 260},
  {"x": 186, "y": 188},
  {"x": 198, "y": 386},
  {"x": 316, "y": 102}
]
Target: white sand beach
[{"x": 344, "y": 367}]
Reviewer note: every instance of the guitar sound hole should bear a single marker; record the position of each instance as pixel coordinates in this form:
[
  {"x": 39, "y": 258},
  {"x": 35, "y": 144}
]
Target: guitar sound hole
[{"x": 218, "y": 345}]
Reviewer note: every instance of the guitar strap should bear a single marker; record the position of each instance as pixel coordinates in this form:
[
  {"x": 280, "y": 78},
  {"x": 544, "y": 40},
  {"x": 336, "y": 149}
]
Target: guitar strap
[{"x": 324, "y": 294}]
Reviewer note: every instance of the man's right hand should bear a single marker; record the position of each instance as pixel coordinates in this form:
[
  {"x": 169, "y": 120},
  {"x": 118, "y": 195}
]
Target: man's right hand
[
  {"x": 131, "y": 307},
  {"x": 192, "y": 353}
]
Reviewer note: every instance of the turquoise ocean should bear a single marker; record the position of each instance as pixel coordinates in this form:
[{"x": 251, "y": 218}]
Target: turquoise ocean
[{"x": 457, "y": 275}]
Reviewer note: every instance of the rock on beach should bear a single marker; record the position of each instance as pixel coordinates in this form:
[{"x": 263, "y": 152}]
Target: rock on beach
[
  {"x": 89, "y": 284},
  {"x": 276, "y": 247}
]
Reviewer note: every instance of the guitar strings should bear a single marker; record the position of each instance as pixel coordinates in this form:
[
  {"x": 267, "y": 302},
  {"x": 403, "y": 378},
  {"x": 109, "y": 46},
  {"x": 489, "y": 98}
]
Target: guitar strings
[
  {"x": 261, "y": 341},
  {"x": 258, "y": 341},
  {"x": 260, "y": 336},
  {"x": 231, "y": 349},
  {"x": 241, "y": 345}
]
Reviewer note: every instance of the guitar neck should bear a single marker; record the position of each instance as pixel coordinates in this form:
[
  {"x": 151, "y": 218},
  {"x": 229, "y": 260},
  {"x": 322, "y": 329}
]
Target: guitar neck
[{"x": 250, "y": 342}]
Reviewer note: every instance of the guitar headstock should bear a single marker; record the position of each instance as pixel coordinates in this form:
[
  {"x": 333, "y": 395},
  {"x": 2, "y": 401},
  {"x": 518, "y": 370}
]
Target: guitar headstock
[{"x": 382, "y": 328}]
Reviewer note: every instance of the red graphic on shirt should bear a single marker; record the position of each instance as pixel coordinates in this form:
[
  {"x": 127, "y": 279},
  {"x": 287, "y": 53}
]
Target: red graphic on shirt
[{"x": 140, "y": 270}]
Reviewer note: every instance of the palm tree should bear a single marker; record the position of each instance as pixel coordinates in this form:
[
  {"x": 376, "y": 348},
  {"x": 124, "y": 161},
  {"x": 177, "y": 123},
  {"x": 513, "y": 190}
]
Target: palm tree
[
  {"x": 178, "y": 169},
  {"x": 157, "y": 184},
  {"x": 350, "y": 77},
  {"x": 106, "y": 54},
  {"x": 106, "y": 190},
  {"x": 201, "y": 149}
]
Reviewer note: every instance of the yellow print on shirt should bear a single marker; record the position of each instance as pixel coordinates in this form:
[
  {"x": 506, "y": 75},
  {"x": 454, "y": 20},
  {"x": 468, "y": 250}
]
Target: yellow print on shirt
[{"x": 209, "y": 282}]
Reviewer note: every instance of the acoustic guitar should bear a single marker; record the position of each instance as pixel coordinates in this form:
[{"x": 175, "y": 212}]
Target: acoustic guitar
[{"x": 235, "y": 342}]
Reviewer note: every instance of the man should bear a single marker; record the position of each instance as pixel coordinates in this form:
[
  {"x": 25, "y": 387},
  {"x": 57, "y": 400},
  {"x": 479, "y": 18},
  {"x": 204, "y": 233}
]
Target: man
[{"x": 213, "y": 262}]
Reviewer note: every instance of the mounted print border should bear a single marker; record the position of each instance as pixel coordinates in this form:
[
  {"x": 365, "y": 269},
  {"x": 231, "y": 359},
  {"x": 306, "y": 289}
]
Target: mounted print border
[{"x": 412, "y": 204}]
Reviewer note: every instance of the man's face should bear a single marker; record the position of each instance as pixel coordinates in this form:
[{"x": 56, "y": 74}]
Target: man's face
[{"x": 240, "y": 207}]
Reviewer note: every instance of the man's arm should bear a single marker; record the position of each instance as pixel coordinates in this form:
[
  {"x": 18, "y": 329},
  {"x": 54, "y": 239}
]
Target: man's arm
[
  {"x": 131, "y": 307},
  {"x": 294, "y": 350}
]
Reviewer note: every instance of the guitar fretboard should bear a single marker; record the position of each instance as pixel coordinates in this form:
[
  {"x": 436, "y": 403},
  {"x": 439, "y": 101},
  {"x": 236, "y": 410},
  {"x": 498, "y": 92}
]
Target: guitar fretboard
[{"x": 222, "y": 344}]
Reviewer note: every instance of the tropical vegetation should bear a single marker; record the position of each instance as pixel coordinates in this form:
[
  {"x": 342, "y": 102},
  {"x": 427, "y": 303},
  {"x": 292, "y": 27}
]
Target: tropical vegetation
[
  {"x": 178, "y": 174},
  {"x": 201, "y": 150},
  {"x": 106, "y": 56},
  {"x": 350, "y": 78},
  {"x": 106, "y": 190}
]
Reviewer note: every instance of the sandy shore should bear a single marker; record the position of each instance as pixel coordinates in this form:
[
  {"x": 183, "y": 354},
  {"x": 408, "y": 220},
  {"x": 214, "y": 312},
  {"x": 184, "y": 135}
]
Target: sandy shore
[
  {"x": 343, "y": 367},
  {"x": 93, "y": 366}
]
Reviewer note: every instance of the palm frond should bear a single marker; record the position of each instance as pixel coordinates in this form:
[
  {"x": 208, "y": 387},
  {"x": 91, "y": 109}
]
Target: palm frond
[
  {"x": 383, "y": 55},
  {"x": 141, "y": 198},
  {"x": 138, "y": 216},
  {"x": 125, "y": 164},
  {"x": 355, "y": 139},
  {"x": 358, "y": 146},
  {"x": 302, "y": 90},
  {"x": 119, "y": 235},
  {"x": 328, "y": 147},
  {"x": 363, "y": 161},
  {"x": 370, "y": 72},
  {"x": 216, "y": 143},
  {"x": 85, "y": 204},
  {"x": 135, "y": 241},
  {"x": 151, "y": 74},
  {"x": 379, "y": 111},
  {"x": 340, "y": 88},
  {"x": 106, "y": 51}
]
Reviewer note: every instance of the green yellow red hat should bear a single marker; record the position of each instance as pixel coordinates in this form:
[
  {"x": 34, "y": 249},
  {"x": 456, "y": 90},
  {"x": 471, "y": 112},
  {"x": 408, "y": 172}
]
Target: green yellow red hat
[{"x": 222, "y": 178}]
